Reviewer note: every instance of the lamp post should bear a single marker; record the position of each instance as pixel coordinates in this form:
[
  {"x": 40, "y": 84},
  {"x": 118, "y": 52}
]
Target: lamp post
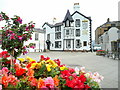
[{"x": 118, "y": 41}]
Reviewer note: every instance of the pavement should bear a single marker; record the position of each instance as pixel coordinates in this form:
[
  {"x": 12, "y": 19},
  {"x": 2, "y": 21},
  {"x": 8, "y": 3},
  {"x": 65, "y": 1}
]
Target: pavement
[{"x": 106, "y": 67}]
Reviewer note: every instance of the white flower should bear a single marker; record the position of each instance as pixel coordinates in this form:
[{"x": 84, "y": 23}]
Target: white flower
[
  {"x": 87, "y": 75},
  {"x": 82, "y": 69},
  {"x": 77, "y": 70}
]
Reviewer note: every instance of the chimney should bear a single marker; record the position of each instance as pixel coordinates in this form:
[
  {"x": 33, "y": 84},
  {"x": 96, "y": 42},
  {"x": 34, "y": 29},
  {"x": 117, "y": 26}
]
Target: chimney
[
  {"x": 108, "y": 20},
  {"x": 76, "y": 7}
]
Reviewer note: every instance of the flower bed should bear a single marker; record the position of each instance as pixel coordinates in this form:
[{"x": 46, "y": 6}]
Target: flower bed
[
  {"x": 101, "y": 52},
  {"x": 47, "y": 74}
]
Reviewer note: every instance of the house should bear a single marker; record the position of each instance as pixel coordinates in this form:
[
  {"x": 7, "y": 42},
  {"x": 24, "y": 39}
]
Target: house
[
  {"x": 73, "y": 33},
  {"x": 38, "y": 40},
  {"x": 111, "y": 34}
]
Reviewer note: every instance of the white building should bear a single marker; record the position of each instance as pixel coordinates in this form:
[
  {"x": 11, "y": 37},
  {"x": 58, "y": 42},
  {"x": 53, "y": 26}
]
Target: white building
[
  {"x": 37, "y": 39},
  {"x": 113, "y": 34},
  {"x": 73, "y": 33}
]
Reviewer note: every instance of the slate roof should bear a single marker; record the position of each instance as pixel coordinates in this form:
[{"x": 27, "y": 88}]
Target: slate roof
[
  {"x": 50, "y": 25},
  {"x": 59, "y": 24},
  {"x": 81, "y": 15},
  {"x": 68, "y": 17},
  {"x": 39, "y": 30},
  {"x": 112, "y": 23}
]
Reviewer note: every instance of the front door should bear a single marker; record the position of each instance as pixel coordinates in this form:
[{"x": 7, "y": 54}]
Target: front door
[{"x": 68, "y": 44}]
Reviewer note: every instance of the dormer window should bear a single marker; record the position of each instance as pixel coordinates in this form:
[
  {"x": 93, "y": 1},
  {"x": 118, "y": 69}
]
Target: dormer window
[
  {"x": 67, "y": 23},
  {"x": 77, "y": 22}
]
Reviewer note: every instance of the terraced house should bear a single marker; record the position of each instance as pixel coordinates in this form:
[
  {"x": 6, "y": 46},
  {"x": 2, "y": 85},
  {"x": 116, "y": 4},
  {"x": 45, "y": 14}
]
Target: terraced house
[{"x": 73, "y": 33}]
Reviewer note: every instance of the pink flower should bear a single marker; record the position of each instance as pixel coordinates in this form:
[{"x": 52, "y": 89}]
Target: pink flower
[
  {"x": 0, "y": 87},
  {"x": 12, "y": 36},
  {"x": 25, "y": 52},
  {"x": 32, "y": 46},
  {"x": 5, "y": 70},
  {"x": 27, "y": 29},
  {"x": 19, "y": 37},
  {"x": 30, "y": 38},
  {"x": 19, "y": 20},
  {"x": 1, "y": 17},
  {"x": 49, "y": 82}
]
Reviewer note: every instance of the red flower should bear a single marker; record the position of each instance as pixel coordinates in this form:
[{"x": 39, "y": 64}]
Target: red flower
[
  {"x": 57, "y": 61},
  {"x": 29, "y": 65},
  {"x": 20, "y": 72},
  {"x": 32, "y": 26},
  {"x": 65, "y": 74},
  {"x": 4, "y": 79},
  {"x": 43, "y": 58},
  {"x": 86, "y": 86},
  {"x": 4, "y": 54},
  {"x": 82, "y": 78},
  {"x": 47, "y": 58},
  {"x": 71, "y": 70},
  {"x": 33, "y": 82}
]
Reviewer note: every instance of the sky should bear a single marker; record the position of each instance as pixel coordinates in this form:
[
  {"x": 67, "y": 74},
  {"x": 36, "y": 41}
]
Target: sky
[{"x": 41, "y": 11}]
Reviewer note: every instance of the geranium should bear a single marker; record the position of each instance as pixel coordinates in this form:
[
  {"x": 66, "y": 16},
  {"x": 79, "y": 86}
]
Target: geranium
[
  {"x": 56, "y": 80},
  {"x": 33, "y": 82},
  {"x": 65, "y": 74},
  {"x": 5, "y": 81},
  {"x": 30, "y": 73},
  {"x": 41, "y": 83},
  {"x": 9, "y": 80},
  {"x": 5, "y": 70},
  {"x": 20, "y": 72},
  {"x": 49, "y": 82},
  {"x": 4, "y": 54},
  {"x": 57, "y": 61},
  {"x": 12, "y": 80}
]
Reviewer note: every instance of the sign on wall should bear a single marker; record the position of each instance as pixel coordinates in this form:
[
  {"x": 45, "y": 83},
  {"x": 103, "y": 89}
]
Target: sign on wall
[
  {"x": 85, "y": 24},
  {"x": 85, "y": 32}
]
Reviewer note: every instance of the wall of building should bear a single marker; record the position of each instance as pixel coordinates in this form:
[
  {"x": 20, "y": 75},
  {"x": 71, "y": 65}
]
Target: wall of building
[
  {"x": 108, "y": 36},
  {"x": 39, "y": 43},
  {"x": 113, "y": 36},
  {"x": 84, "y": 33}
]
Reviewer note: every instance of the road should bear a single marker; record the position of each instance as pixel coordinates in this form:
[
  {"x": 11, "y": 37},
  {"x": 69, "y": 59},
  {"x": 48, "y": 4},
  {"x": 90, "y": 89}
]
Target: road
[{"x": 103, "y": 65}]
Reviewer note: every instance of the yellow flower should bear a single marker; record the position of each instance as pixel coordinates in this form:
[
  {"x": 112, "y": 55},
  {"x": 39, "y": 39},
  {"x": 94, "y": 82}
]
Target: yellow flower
[
  {"x": 62, "y": 68},
  {"x": 21, "y": 59},
  {"x": 30, "y": 59},
  {"x": 52, "y": 63},
  {"x": 38, "y": 65},
  {"x": 33, "y": 65},
  {"x": 48, "y": 67}
]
